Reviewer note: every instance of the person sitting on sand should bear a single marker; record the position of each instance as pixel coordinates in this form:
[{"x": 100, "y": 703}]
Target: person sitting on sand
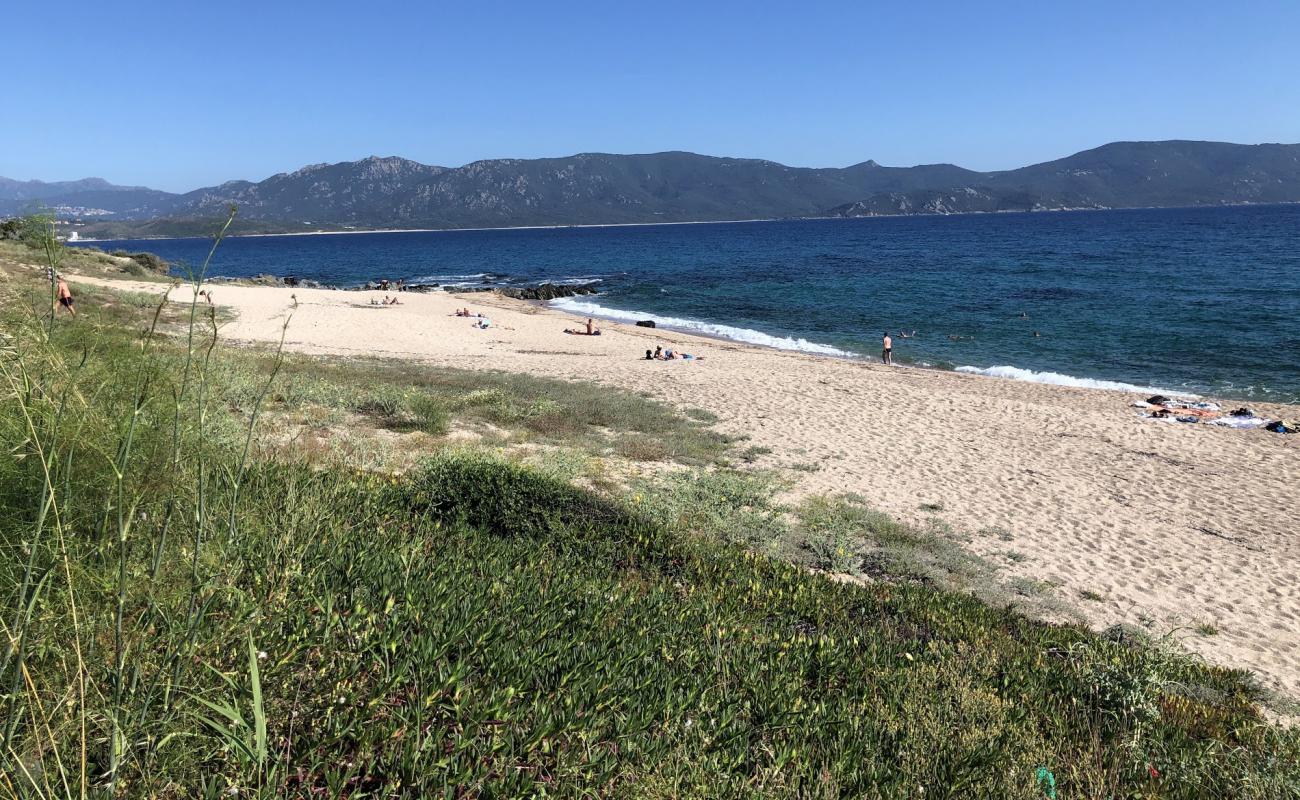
[
  {"x": 483, "y": 323},
  {"x": 65, "y": 295},
  {"x": 649, "y": 356},
  {"x": 659, "y": 352},
  {"x": 589, "y": 330}
]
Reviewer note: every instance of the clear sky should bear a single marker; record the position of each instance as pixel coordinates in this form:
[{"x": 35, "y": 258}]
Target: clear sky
[{"x": 178, "y": 95}]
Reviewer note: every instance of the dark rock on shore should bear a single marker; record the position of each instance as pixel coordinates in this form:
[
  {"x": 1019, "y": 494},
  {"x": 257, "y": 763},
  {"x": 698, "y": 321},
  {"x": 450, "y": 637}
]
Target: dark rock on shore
[
  {"x": 546, "y": 291},
  {"x": 272, "y": 280}
]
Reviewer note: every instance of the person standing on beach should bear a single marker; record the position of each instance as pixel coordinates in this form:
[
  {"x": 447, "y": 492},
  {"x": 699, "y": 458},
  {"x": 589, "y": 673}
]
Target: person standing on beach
[
  {"x": 887, "y": 351},
  {"x": 65, "y": 295}
]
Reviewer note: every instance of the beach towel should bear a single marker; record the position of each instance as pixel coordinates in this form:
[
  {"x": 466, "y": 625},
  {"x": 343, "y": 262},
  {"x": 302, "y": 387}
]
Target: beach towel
[
  {"x": 1168, "y": 416},
  {"x": 1201, "y": 413},
  {"x": 1239, "y": 423}
]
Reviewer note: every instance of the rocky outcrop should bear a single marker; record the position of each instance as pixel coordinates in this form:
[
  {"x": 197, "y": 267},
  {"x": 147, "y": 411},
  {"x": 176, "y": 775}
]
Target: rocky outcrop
[
  {"x": 266, "y": 279},
  {"x": 545, "y": 291}
]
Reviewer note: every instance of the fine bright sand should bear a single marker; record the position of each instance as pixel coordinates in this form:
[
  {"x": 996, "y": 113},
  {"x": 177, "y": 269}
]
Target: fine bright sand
[{"x": 1171, "y": 526}]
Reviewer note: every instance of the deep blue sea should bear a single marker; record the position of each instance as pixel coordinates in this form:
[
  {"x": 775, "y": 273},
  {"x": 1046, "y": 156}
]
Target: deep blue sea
[{"x": 1202, "y": 301}]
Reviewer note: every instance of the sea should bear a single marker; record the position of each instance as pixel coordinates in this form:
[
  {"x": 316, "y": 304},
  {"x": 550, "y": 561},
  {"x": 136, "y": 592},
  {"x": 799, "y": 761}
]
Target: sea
[{"x": 1202, "y": 301}]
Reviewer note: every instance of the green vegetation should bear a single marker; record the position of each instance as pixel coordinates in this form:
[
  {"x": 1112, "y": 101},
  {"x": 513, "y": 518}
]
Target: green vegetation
[
  {"x": 31, "y": 243},
  {"x": 18, "y": 257},
  {"x": 501, "y": 408},
  {"x": 196, "y": 604}
]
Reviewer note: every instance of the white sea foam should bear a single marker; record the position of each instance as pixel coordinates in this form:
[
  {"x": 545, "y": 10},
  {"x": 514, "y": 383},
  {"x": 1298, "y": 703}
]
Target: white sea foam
[
  {"x": 1018, "y": 374},
  {"x": 747, "y": 335},
  {"x": 437, "y": 278}
]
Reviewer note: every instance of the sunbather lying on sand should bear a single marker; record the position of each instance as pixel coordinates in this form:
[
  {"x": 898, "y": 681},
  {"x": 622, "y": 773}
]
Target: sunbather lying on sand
[{"x": 673, "y": 355}]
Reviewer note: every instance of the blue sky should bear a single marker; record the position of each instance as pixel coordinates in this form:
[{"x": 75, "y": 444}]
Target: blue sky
[{"x": 179, "y": 95}]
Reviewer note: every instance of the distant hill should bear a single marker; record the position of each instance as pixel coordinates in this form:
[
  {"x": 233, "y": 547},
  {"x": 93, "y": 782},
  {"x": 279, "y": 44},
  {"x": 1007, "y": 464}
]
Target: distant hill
[
  {"x": 600, "y": 188},
  {"x": 94, "y": 195}
]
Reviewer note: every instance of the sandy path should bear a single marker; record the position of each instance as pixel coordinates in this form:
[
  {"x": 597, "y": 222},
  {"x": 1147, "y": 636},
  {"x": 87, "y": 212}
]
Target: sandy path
[{"x": 1176, "y": 524}]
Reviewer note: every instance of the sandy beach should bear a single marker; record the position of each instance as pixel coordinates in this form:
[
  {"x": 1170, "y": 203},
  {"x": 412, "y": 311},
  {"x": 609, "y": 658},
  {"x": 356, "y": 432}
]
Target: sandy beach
[{"x": 1159, "y": 525}]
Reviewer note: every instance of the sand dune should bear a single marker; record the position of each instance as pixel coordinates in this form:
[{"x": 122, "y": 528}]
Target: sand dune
[{"x": 1170, "y": 525}]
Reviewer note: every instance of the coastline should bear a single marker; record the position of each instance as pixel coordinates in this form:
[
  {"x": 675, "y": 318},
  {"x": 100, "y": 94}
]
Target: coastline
[
  {"x": 693, "y": 222},
  {"x": 1130, "y": 520},
  {"x": 451, "y": 230},
  {"x": 579, "y": 305}
]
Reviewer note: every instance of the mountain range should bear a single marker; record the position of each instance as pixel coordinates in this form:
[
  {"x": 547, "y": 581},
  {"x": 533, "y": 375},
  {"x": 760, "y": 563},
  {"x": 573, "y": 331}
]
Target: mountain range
[{"x": 599, "y": 188}]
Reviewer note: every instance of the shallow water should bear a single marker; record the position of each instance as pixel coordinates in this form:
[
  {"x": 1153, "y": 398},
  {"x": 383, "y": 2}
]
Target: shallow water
[{"x": 1191, "y": 300}]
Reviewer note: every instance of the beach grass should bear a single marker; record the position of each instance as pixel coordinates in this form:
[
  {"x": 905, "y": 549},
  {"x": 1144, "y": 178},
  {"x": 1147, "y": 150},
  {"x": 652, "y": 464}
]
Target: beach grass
[{"x": 189, "y": 611}]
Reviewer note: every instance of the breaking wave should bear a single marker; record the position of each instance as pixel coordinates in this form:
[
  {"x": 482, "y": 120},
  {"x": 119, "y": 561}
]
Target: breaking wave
[
  {"x": 1056, "y": 378},
  {"x": 746, "y": 335}
]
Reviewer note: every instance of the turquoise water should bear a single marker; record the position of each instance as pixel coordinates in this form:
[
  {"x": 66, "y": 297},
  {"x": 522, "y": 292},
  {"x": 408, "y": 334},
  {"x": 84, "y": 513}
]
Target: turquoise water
[{"x": 1205, "y": 301}]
